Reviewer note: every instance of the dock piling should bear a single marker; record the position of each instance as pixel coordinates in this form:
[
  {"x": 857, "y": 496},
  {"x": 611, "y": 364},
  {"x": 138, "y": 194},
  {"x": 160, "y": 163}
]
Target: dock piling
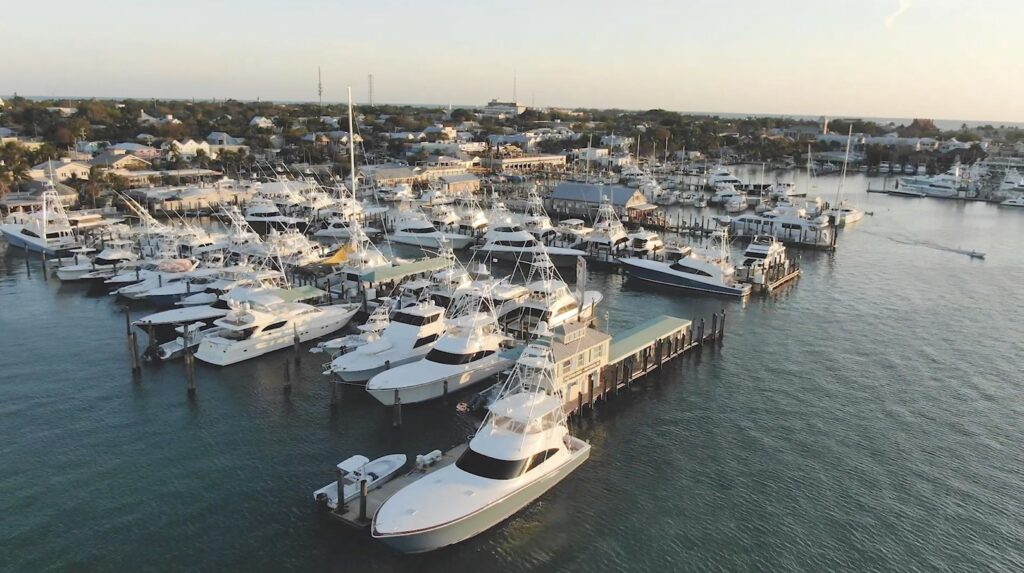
[
  {"x": 714, "y": 325},
  {"x": 396, "y": 419},
  {"x": 444, "y": 395},
  {"x": 190, "y": 372},
  {"x": 295, "y": 344},
  {"x": 133, "y": 349},
  {"x": 363, "y": 491}
]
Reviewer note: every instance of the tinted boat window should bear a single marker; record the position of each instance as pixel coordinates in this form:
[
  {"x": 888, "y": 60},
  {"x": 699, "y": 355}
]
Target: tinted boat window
[{"x": 488, "y": 467}]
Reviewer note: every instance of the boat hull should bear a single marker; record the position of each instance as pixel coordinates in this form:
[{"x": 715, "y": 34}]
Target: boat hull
[
  {"x": 225, "y": 355},
  {"x": 482, "y": 520},
  {"x": 362, "y": 375},
  {"x": 435, "y": 388},
  {"x": 678, "y": 280}
]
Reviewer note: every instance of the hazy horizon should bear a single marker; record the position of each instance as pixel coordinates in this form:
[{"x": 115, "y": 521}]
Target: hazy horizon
[{"x": 942, "y": 59}]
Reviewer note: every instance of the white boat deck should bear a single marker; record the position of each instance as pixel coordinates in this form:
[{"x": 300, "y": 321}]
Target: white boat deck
[{"x": 349, "y": 513}]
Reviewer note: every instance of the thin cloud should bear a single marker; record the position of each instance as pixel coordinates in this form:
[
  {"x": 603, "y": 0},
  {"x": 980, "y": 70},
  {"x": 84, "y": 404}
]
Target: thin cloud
[{"x": 891, "y": 18}]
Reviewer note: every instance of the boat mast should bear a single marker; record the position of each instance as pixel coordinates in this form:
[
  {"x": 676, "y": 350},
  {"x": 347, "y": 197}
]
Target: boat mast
[
  {"x": 351, "y": 145},
  {"x": 842, "y": 176}
]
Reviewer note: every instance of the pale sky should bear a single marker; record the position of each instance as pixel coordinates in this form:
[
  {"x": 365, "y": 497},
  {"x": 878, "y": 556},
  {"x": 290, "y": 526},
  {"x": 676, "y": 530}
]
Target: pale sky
[{"x": 943, "y": 59}]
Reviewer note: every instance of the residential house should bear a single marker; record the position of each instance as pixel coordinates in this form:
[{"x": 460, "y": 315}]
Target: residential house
[
  {"x": 60, "y": 170},
  {"x": 221, "y": 138},
  {"x": 189, "y": 149},
  {"x": 63, "y": 111},
  {"x": 617, "y": 141},
  {"x": 261, "y": 122},
  {"x": 137, "y": 149},
  {"x": 119, "y": 159},
  {"x": 146, "y": 119}
]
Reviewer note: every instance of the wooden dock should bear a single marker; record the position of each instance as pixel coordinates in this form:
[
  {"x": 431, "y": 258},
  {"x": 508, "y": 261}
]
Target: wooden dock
[
  {"x": 359, "y": 512},
  {"x": 641, "y": 351}
]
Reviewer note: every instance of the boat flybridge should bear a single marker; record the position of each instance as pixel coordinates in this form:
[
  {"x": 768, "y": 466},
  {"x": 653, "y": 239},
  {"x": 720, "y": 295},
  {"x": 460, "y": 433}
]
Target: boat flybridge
[
  {"x": 536, "y": 220},
  {"x": 45, "y": 231},
  {"x": 409, "y": 335},
  {"x": 608, "y": 234},
  {"x": 522, "y": 449},
  {"x": 252, "y": 329},
  {"x": 356, "y": 257},
  {"x": 471, "y": 350},
  {"x": 710, "y": 271}
]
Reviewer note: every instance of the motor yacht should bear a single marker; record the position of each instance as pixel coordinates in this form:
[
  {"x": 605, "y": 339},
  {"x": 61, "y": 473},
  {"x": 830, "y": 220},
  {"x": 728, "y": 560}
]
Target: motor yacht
[
  {"x": 470, "y": 350},
  {"x": 45, "y": 231},
  {"x": 764, "y": 258},
  {"x": 252, "y": 329},
  {"x": 114, "y": 254},
  {"x": 522, "y": 449},
  {"x": 510, "y": 242},
  {"x": 608, "y": 235},
  {"x": 409, "y": 335},
  {"x": 549, "y": 301},
  {"x": 722, "y": 177},
  {"x": 710, "y": 271},
  {"x": 1017, "y": 201},
  {"x": 644, "y": 243},
  {"x": 414, "y": 229}
]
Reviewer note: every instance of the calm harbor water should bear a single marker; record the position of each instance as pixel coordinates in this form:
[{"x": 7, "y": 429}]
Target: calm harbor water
[{"x": 867, "y": 418}]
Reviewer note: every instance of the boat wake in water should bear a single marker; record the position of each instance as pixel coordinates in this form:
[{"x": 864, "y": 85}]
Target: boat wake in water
[{"x": 930, "y": 245}]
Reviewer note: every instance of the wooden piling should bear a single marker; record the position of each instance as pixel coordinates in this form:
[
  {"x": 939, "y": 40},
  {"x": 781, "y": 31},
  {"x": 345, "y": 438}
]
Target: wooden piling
[
  {"x": 363, "y": 491},
  {"x": 444, "y": 394},
  {"x": 190, "y": 371},
  {"x": 714, "y": 325},
  {"x": 295, "y": 345},
  {"x": 133, "y": 349},
  {"x": 396, "y": 414}
]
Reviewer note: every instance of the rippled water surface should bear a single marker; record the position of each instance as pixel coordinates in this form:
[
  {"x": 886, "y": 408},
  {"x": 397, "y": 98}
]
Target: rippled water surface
[{"x": 867, "y": 418}]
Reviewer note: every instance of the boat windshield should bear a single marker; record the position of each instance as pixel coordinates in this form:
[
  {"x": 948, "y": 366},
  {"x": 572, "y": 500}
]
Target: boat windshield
[
  {"x": 442, "y": 357},
  {"x": 487, "y": 467}
]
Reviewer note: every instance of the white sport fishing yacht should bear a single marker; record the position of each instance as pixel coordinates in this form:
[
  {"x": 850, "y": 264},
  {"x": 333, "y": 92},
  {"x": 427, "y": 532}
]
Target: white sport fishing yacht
[
  {"x": 409, "y": 335},
  {"x": 510, "y": 242},
  {"x": 252, "y": 330},
  {"x": 414, "y": 229},
  {"x": 707, "y": 272},
  {"x": 608, "y": 235},
  {"x": 549, "y": 301},
  {"x": 470, "y": 350},
  {"x": 764, "y": 257},
  {"x": 522, "y": 449},
  {"x": 44, "y": 231},
  {"x": 645, "y": 244}
]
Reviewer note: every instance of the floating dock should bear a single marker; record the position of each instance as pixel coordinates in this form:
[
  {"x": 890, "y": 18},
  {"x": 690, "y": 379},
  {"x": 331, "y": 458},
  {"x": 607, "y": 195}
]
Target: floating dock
[{"x": 359, "y": 512}]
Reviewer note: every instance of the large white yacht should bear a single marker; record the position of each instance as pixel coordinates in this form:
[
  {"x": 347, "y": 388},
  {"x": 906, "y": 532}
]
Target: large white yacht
[
  {"x": 252, "y": 330},
  {"x": 645, "y": 243},
  {"x": 722, "y": 177},
  {"x": 765, "y": 258},
  {"x": 44, "y": 231},
  {"x": 608, "y": 233},
  {"x": 522, "y": 449},
  {"x": 946, "y": 184},
  {"x": 708, "y": 272},
  {"x": 409, "y": 335},
  {"x": 549, "y": 301},
  {"x": 1017, "y": 201},
  {"x": 470, "y": 350},
  {"x": 510, "y": 242},
  {"x": 414, "y": 229},
  {"x": 263, "y": 214}
]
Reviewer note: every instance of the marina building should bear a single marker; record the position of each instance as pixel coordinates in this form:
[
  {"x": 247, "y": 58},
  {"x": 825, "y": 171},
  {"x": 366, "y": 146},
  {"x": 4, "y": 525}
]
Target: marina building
[
  {"x": 60, "y": 170},
  {"x": 583, "y": 199},
  {"x": 524, "y": 163},
  {"x": 461, "y": 184}
]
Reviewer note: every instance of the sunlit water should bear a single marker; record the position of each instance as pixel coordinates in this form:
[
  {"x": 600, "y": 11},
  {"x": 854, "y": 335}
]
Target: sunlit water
[{"x": 868, "y": 417}]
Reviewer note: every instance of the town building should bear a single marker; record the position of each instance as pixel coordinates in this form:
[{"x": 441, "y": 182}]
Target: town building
[
  {"x": 583, "y": 199},
  {"x": 523, "y": 163},
  {"x": 502, "y": 109},
  {"x": 387, "y": 175},
  {"x": 119, "y": 159},
  {"x": 460, "y": 184}
]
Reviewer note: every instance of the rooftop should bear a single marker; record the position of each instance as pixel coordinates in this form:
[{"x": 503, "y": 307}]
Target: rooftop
[{"x": 635, "y": 339}]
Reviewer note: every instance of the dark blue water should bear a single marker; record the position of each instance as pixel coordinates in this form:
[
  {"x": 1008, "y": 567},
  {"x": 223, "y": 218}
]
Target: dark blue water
[{"x": 868, "y": 418}]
